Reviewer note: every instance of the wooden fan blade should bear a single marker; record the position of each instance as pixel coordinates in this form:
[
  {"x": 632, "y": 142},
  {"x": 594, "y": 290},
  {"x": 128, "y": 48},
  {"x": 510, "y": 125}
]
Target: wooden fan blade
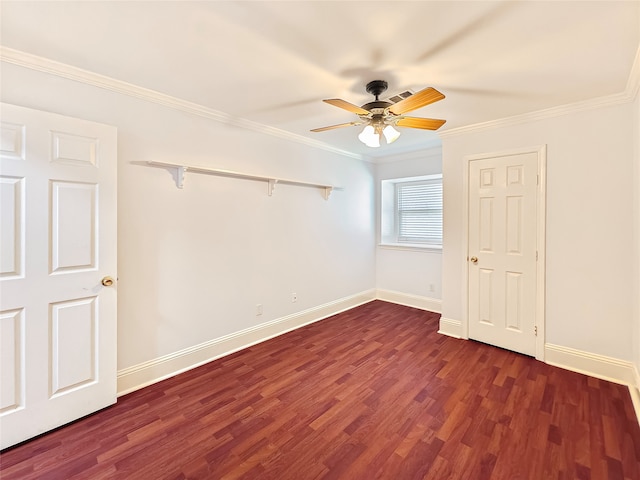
[
  {"x": 336, "y": 102},
  {"x": 350, "y": 124},
  {"x": 417, "y": 100},
  {"x": 423, "y": 123}
]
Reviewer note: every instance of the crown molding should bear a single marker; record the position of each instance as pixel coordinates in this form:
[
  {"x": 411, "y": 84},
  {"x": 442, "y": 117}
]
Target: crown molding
[
  {"x": 45, "y": 65},
  {"x": 592, "y": 104},
  {"x": 430, "y": 150},
  {"x": 628, "y": 95}
]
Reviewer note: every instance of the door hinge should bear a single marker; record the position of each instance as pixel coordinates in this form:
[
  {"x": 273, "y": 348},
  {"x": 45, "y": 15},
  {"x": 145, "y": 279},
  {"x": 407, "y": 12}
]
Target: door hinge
[
  {"x": 535, "y": 330},
  {"x": 536, "y": 255}
]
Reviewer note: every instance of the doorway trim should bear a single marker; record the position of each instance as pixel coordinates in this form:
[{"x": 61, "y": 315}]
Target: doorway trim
[{"x": 541, "y": 216}]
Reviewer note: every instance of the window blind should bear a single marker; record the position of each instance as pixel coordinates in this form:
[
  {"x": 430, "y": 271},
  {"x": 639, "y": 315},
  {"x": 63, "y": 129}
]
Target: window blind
[{"x": 419, "y": 212}]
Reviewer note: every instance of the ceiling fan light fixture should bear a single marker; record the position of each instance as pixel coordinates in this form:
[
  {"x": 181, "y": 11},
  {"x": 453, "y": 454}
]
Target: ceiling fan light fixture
[
  {"x": 390, "y": 134},
  {"x": 369, "y": 137}
]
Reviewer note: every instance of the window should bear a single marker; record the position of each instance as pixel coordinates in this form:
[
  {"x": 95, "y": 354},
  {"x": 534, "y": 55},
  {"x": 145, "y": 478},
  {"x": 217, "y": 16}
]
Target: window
[{"x": 412, "y": 211}]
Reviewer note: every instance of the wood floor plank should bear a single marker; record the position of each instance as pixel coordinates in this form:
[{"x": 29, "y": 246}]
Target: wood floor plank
[{"x": 374, "y": 392}]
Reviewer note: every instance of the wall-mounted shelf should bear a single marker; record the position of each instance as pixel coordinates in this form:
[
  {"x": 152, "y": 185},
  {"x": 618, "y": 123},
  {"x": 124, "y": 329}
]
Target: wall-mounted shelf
[{"x": 271, "y": 181}]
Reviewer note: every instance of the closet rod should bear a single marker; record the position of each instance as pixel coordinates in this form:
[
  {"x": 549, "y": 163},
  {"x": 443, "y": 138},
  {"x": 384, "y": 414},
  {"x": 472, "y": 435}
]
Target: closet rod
[{"x": 271, "y": 181}]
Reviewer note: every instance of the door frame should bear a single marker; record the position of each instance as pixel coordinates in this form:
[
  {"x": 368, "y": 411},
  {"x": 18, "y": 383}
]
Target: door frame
[{"x": 541, "y": 216}]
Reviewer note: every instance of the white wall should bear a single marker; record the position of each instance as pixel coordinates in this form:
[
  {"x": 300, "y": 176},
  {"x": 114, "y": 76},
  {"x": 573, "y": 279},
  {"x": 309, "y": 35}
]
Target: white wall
[
  {"x": 194, "y": 263},
  {"x": 409, "y": 271},
  {"x": 589, "y": 297}
]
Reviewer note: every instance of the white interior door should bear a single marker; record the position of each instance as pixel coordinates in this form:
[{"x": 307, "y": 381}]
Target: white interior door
[
  {"x": 502, "y": 250},
  {"x": 58, "y": 241}
]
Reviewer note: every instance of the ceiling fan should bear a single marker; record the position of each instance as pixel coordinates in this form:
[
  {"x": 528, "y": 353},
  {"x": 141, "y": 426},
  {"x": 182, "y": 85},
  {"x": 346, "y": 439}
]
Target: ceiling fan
[{"x": 381, "y": 116}]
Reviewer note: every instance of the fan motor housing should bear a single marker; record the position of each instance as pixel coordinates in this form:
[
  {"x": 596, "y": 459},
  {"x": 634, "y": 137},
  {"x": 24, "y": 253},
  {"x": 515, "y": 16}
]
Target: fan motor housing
[{"x": 371, "y": 106}]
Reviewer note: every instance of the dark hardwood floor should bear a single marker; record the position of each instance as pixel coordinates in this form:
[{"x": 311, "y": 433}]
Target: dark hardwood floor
[{"x": 370, "y": 393}]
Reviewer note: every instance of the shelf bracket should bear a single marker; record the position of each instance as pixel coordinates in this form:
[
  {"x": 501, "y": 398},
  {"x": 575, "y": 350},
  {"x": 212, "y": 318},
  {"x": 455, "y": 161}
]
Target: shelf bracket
[
  {"x": 271, "y": 186},
  {"x": 327, "y": 192},
  {"x": 180, "y": 171}
]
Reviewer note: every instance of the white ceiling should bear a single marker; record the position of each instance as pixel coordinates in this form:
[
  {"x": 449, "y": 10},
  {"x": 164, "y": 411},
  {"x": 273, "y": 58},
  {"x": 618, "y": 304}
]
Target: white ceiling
[{"x": 273, "y": 62}]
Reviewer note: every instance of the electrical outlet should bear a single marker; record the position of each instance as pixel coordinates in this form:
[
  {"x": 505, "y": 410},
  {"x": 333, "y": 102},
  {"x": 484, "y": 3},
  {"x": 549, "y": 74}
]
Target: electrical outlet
[
  {"x": 259, "y": 309},
  {"x": 432, "y": 287},
  {"x": 294, "y": 297}
]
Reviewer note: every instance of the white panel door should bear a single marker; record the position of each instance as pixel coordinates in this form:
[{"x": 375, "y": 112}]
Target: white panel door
[
  {"x": 502, "y": 251},
  {"x": 58, "y": 241}
]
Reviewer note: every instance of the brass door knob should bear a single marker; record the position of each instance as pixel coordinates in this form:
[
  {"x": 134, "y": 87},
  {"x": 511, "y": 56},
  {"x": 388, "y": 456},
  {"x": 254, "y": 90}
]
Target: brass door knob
[
  {"x": 107, "y": 281},
  {"x": 473, "y": 260}
]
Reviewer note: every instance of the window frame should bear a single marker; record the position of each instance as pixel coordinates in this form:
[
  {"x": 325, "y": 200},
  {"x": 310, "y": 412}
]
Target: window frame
[{"x": 389, "y": 213}]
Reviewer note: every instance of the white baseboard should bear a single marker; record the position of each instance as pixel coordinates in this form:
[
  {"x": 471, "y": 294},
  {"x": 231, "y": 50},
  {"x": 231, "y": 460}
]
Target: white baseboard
[
  {"x": 634, "y": 390},
  {"x": 450, "y": 327},
  {"x": 594, "y": 365},
  {"x": 147, "y": 373},
  {"x": 409, "y": 300},
  {"x": 599, "y": 366}
]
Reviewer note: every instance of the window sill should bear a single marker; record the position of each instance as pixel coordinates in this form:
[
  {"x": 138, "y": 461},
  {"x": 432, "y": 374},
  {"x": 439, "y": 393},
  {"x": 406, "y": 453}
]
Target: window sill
[{"x": 411, "y": 247}]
